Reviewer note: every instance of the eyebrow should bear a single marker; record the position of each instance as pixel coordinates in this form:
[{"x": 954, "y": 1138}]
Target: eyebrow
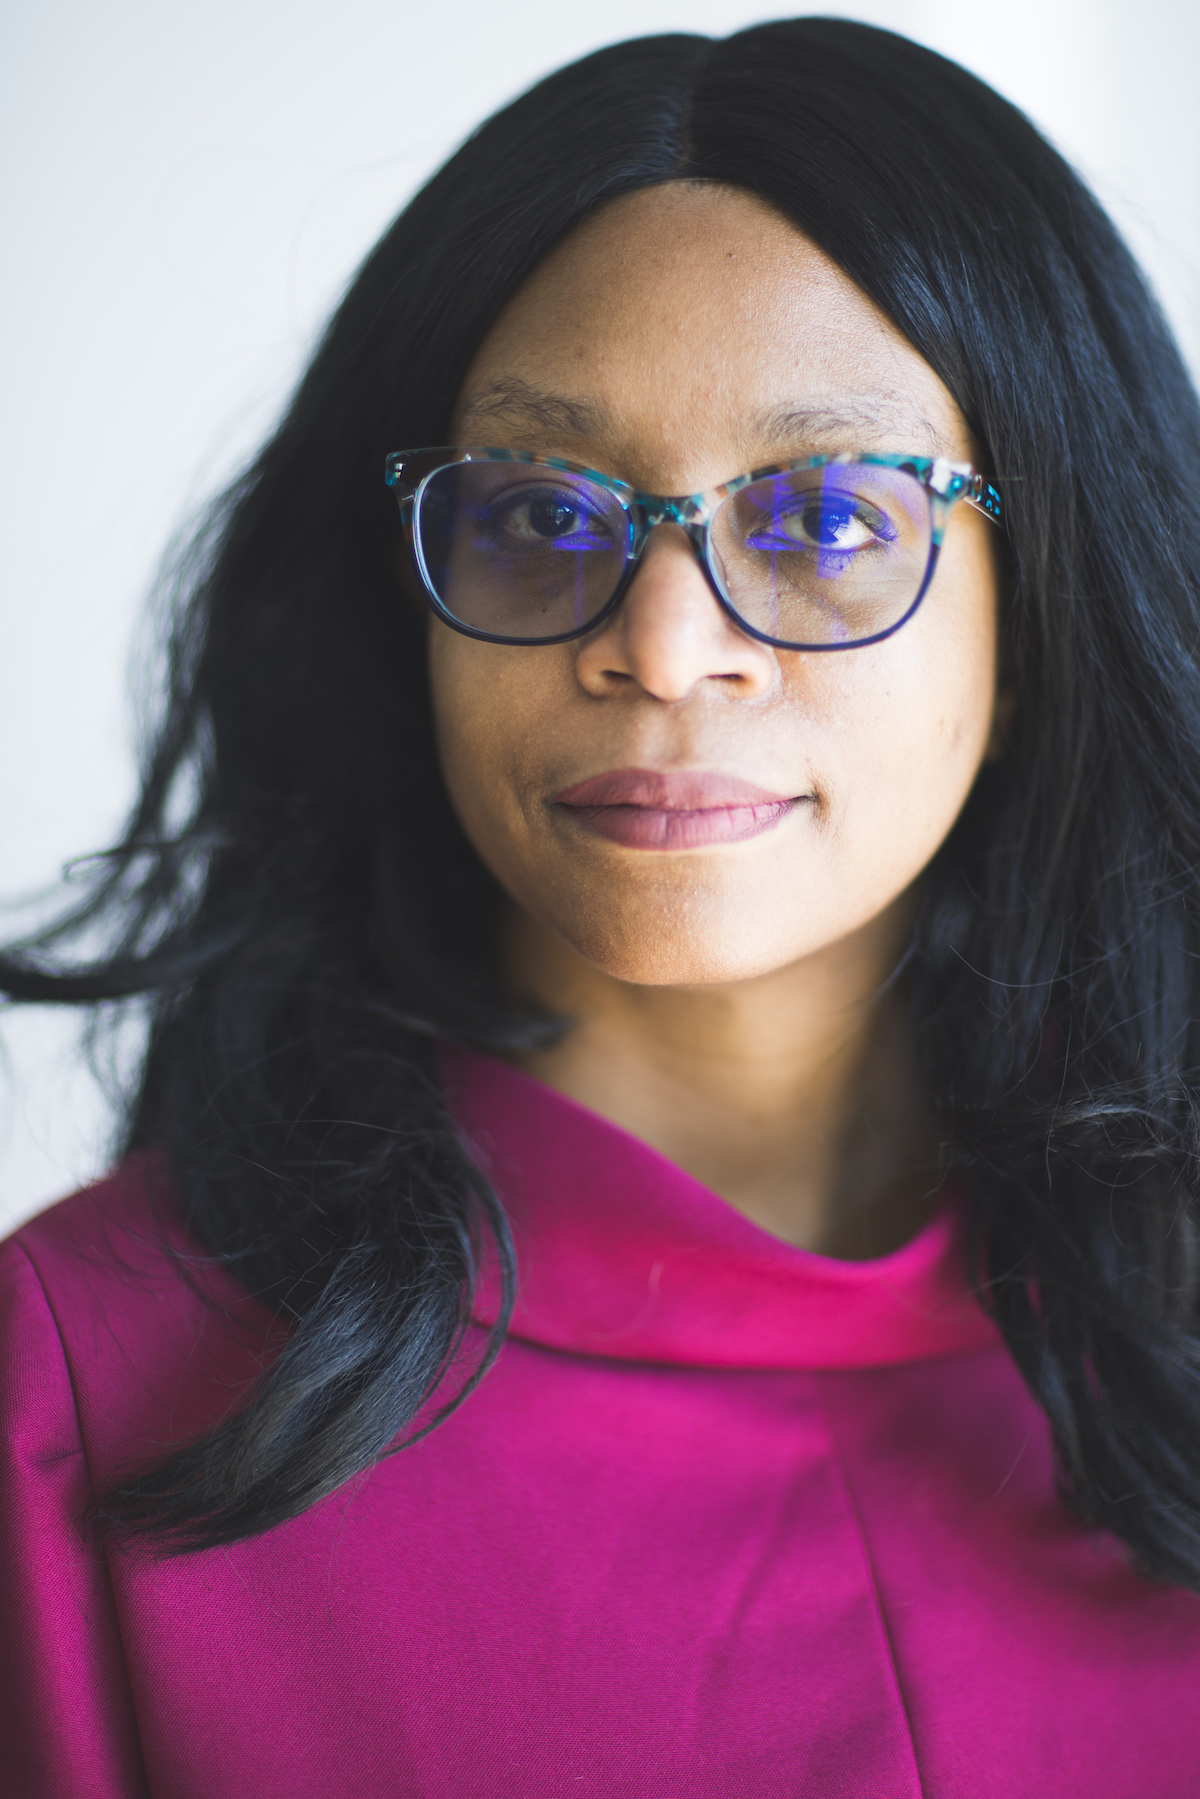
[
  {"x": 876, "y": 414},
  {"x": 516, "y": 400},
  {"x": 873, "y": 414}
]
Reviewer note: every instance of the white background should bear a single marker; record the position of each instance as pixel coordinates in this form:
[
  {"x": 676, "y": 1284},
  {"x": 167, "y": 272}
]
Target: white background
[{"x": 186, "y": 188}]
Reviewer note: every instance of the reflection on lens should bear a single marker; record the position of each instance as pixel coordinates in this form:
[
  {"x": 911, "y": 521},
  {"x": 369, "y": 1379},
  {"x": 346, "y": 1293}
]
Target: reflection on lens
[
  {"x": 824, "y": 556},
  {"x": 518, "y": 550}
]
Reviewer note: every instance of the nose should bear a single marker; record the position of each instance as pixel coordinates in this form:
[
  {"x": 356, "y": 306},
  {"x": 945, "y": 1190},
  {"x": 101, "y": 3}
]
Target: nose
[{"x": 670, "y": 636}]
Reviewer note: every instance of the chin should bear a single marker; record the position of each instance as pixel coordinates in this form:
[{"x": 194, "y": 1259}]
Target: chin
[{"x": 650, "y": 950}]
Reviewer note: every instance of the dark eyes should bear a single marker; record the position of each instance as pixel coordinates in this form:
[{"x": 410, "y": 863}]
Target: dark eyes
[
  {"x": 545, "y": 515},
  {"x": 820, "y": 523},
  {"x": 529, "y": 517}
]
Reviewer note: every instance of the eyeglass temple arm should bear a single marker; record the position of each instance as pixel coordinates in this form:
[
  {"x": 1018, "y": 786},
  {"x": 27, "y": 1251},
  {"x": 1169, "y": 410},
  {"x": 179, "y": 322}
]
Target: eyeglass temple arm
[{"x": 959, "y": 481}]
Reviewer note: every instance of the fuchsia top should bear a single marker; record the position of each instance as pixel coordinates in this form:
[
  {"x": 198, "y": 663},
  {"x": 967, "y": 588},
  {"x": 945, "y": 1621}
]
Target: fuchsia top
[{"x": 726, "y": 1519}]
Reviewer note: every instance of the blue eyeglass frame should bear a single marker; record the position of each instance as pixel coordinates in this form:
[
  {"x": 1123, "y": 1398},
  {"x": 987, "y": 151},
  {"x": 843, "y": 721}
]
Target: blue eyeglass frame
[{"x": 407, "y": 472}]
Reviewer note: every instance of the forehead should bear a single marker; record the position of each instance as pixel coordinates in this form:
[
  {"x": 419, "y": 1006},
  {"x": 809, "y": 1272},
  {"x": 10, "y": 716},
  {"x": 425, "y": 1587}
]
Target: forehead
[{"x": 691, "y": 313}]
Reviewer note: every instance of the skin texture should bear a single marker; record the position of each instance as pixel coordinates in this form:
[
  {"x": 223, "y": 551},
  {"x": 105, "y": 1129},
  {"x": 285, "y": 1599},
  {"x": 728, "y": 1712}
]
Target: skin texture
[{"x": 732, "y": 1001}]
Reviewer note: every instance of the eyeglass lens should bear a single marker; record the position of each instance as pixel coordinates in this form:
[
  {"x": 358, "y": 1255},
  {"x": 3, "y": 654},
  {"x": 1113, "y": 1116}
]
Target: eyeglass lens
[{"x": 820, "y": 556}]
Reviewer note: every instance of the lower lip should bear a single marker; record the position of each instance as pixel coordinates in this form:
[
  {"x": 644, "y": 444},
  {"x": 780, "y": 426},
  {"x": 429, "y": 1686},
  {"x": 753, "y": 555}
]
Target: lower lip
[{"x": 644, "y": 828}]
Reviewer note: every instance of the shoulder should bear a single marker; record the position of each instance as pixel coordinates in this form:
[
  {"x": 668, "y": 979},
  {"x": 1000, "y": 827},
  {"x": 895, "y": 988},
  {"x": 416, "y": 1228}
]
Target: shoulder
[
  {"x": 110, "y": 1254},
  {"x": 156, "y": 1339},
  {"x": 132, "y": 1213},
  {"x": 67, "y": 1721}
]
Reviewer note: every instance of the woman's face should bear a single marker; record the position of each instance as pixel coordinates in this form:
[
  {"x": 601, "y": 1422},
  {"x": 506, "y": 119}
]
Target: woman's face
[{"x": 679, "y": 337}]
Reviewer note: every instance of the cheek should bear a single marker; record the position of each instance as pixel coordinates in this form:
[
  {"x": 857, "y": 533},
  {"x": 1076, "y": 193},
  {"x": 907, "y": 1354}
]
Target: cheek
[
  {"x": 486, "y": 701},
  {"x": 911, "y": 720},
  {"x": 468, "y": 720}
]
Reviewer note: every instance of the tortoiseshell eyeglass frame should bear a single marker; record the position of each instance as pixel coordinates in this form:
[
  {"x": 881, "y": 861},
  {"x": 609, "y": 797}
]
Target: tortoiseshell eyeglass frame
[{"x": 407, "y": 472}]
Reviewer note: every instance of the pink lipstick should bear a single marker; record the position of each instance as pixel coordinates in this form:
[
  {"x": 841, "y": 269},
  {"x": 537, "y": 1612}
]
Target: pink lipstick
[{"x": 647, "y": 810}]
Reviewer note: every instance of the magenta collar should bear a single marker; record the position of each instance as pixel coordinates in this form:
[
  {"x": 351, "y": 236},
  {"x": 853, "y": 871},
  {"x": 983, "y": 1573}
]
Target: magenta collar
[{"x": 621, "y": 1253}]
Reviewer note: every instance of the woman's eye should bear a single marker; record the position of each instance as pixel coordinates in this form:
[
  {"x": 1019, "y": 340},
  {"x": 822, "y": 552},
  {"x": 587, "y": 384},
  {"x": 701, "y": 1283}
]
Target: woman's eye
[
  {"x": 545, "y": 518},
  {"x": 818, "y": 525}
]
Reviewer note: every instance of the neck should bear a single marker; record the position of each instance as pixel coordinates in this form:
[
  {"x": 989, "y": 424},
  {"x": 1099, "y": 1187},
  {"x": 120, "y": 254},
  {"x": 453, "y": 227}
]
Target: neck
[{"x": 792, "y": 1095}]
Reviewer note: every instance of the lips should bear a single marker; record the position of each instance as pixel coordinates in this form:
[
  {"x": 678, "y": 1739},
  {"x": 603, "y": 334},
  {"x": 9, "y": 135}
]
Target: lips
[{"x": 644, "y": 808}]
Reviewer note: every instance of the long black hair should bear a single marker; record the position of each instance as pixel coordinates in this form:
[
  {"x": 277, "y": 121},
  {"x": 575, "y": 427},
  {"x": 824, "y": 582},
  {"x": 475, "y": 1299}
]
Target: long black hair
[{"x": 298, "y": 903}]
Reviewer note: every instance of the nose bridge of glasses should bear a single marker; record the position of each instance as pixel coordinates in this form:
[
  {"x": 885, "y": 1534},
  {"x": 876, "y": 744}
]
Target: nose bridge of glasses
[
  {"x": 669, "y": 509},
  {"x": 689, "y": 511}
]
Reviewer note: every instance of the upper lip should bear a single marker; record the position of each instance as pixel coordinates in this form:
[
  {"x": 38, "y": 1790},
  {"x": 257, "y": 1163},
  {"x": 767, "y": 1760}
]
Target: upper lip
[{"x": 688, "y": 790}]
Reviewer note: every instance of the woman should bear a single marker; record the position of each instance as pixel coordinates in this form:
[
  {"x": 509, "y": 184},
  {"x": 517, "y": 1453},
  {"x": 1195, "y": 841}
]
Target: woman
[{"x": 716, "y": 862}]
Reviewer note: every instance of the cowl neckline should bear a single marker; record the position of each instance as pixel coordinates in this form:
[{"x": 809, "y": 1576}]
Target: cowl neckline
[{"x": 623, "y": 1254}]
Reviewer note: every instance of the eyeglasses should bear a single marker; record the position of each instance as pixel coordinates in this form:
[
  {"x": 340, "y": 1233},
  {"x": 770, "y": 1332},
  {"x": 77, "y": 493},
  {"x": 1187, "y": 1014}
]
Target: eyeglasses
[{"x": 827, "y": 553}]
